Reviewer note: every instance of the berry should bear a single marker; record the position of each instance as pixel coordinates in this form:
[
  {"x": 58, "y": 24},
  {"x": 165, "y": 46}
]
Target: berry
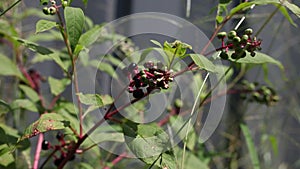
[
  {"x": 243, "y": 54},
  {"x": 221, "y": 35},
  {"x": 58, "y": 161},
  {"x": 138, "y": 93},
  {"x": 224, "y": 55},
  {"x": 234, "y": 56},
  {"x": 149, "y": 64},
  {"x": 60, "y": 136},
  {"x": 252, "y": 54},
  {"x": 248, "y": 31},
  {"x": 65, "y": 3},
  {"x": 53, "y": 2},
  {"x": 45, "y": 11},
  {"x": 45, "y": 145},
  {"x": 52, "y": 10},
  {"x": 231, "y": 34},
  {"x": 132, "y": 66},
  {"x": 236, "y": 40},
  {"x": 245, "y": 37}
]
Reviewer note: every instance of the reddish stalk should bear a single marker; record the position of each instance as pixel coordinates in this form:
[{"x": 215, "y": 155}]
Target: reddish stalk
[
  {"x": 117, "y": 159},
  {"x": 38, "y": 151}
]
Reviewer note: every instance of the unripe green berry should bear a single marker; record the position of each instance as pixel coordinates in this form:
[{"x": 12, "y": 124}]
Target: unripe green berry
[
  {"x": 178, "y": 103},
  {"x": 53, "y": 2},
  {"x": 232, "y": 34},
  {"x": 248, "y": 31},
  {"x": 245, "y": 37},
  {"x": 45, "y": 11},
  {"x": 221, "y": 35},
  {"x": 65, "y": 3},
  {"x": 236, "y": 40},
  {"x": 52, "y": 10},
  {"x": 44, "y": 2}
]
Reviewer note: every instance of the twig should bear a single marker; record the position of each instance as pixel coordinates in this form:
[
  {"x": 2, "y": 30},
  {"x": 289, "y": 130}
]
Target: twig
[
  {"x": 10, "y": 7},
  {"x": 116, "y": 160}
]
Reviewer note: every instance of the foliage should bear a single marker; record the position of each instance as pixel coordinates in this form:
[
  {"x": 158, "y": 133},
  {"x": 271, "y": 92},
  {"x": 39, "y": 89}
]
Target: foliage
[{"x": 149, "y": 142}]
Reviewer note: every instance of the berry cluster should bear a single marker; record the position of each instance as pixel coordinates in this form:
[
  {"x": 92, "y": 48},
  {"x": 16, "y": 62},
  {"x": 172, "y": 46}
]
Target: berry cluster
[
  {"x": 150, "y": 78},
  {"x": 240, "y": 44},
  {"x": 53, "y": 7},
  {"x": 261, "y": 94},
  {"x": 62, "y": 148}
]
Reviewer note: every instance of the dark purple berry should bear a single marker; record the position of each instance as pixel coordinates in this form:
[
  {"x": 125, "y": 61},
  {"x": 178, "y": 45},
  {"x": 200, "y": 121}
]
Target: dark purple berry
[
  {"x": 243, "y": 54},
  {"x": 132, "y": 67},
  {"x": 45, "y": 145},
  {"x": 252, "y": 54},
  {"x": 149, "y": 64},
  {"x": 138, "y": 93},
  {"x": 60, "y": 136},
  {"x": 234, "y": 56},
  {"x": 58, "y": 161},
  {"x": 224, "y": 55}
]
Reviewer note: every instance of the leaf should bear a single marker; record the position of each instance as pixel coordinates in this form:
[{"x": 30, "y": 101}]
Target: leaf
[
  {"x": 34, "y": 47},
  {"x": 6, "y": 157},
  {"x": 47, "y": 122},
  {"x": 24, "y": 104},
  {"x": 4, "y": 107},
  {"x": 148, "y": 142},
  {"x": 44, "y": 25},
  {"x": 55, "y": 56},
  {"x": 57, "y": 86},
  {"x": 90, "y": 36},
  {"x": 292, "y": 7},
  {"x": 203, "y": 62},
  {"x": 156, "y": 43},
  {"x": 259, "y": 58},
  {"x": 175, "y": 49},
  {"x": 251, "y": 146},
  {"x": 8, "y": 68},
  {"x": 74, "y": 23},
  {"x": 30, "y": 93},
  {"x": 90, "y": 99},
  {"x": 286, "y": 14}
]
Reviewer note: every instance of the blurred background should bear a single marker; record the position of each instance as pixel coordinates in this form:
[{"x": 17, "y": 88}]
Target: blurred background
[{"x": 275, "y": 129}]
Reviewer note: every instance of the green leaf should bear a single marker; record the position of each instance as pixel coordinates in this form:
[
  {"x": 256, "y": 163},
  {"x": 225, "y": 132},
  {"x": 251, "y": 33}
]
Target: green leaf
[
  {"x": 203, "y": 62},
  {"x": 4, "y": 107},
  {"x": 57, "y": 86},
  {"x": 44, "y": 25},
  {"x": 251, "y": 146},
  {"x": 175, "y": 49},
  {"x": 176, "y": 124},
  {"x": 24, "y": 104},
  {"x": 6, "y": 157},
  {"x": 156, "y": 43},
  {"x": 286, "y": 14},
  {"x": 8, "y": 68},
  {"x": 148, "y": 142},
  {"x": 292, "y": 7},
  {"x": 34, "y": 47},
  {"x": 47, "y": 122},
  {"x": 30, "y": 93},
  {"x": 74, "y": 23},
  {"x": 90, "y": 36},
  {"x": 90, "y": 99},
  {"x": 55, "y": 56},
  {"x": 259, "y": 58}
]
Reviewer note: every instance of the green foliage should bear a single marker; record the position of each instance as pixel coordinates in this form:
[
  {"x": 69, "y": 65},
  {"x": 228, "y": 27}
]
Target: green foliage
[
  {"x": 47, "y": 122},
  {"x": 57, "y": 86},
  {"x": 44, "y": 25},
  {"x": 8, "y": 68},
  {"x": 90, "y": 99},
  {"x": 74, "y": 24},
  {"x": 203, "y": 62}
]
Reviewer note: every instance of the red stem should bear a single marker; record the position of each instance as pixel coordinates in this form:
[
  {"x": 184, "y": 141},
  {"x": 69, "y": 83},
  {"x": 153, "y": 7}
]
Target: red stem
[
  {"x": 117, "y": 159},
  {"x": 38, "y": 151}
]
